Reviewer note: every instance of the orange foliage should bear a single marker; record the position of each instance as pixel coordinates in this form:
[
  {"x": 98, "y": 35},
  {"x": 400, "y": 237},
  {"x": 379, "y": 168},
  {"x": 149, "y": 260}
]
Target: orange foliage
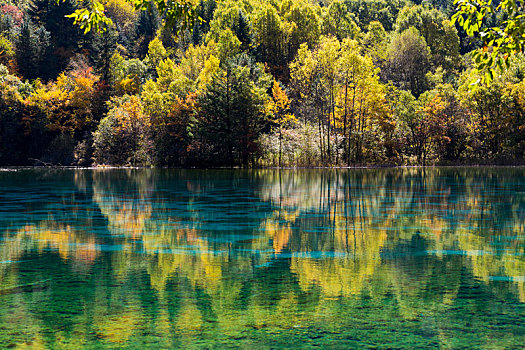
[
  {"x": 67, "y": 103},
  {"x": 131, "y": 117}
]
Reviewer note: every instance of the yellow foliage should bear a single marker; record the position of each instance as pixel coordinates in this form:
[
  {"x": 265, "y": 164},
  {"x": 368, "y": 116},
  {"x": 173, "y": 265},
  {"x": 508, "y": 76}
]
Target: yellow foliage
[
  {"x": 67, "y": 103},
  {"x": 128, "y": 86},
  {"x": 121, "y": 11},
  {"x": 131, "y": 117},
  {"x": 211, "y": 66},
  {"x": 279, "y": 107}
]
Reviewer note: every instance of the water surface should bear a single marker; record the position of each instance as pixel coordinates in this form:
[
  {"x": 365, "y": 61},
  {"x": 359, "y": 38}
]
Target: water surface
[{"x": 144, "y": 259}]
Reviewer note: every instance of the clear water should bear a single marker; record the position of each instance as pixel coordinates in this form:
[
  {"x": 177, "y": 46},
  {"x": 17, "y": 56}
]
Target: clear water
[{"x": 145, "y": 259}]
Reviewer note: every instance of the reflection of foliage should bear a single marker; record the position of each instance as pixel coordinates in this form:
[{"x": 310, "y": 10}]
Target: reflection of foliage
[{"x": 394, "y": 248}]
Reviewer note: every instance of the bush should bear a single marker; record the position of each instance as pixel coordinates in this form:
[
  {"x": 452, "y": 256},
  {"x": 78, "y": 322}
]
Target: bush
[{"x": 123, "y": 137}]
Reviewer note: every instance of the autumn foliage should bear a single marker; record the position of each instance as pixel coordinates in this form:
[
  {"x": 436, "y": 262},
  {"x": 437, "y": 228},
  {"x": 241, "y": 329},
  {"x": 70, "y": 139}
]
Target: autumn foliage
[{"x": 255, "y": 83}]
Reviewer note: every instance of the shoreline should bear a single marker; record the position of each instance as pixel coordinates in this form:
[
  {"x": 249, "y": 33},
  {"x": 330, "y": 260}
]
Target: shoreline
[{"x": 62, "y": 167}]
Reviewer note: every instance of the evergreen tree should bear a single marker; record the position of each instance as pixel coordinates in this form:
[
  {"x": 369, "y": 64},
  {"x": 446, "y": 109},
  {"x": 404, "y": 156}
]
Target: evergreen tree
[
  {"x": 31, "y": 48},
  {"x": 196, "y": 34},
  {"x": 64, "y": 37},
  {"x": 232, "y": 113},
  {"x": 206, "y": 11},
  {"x": 242, "y": 31},
  {"x": 104, "y": 46},
  {"x": 6, "y": 24},
  {"x": 145, "y": 30}
]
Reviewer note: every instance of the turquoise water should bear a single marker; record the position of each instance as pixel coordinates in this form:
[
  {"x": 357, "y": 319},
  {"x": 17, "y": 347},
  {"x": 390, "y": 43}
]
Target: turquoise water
[{"x": 145, "y": 259}]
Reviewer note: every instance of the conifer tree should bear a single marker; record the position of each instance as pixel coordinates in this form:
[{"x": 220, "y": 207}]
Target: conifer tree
[
  {"x": 232, "y": 112},
  {"x": 31, "y": 47},
  {"x": 145, "y": 30}
]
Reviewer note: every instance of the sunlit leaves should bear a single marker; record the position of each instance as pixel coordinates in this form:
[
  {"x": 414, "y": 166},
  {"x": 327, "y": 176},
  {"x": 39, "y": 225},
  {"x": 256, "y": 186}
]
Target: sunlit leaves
[
  {"x": 68, "y": 103},
  {"x": 175, "y": 13},
  {"x": 124, "y": 137},
  {"x": 500, "y": 42},
  {"x": 92, "y": 19}
]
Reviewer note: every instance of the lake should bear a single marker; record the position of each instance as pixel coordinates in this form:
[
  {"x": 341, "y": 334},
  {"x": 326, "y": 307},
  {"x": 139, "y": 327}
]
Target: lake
[{"x": 256, "y": 259}]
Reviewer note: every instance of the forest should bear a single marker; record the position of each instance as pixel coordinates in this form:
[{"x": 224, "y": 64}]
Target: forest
[{"x": 254, "y": 83}]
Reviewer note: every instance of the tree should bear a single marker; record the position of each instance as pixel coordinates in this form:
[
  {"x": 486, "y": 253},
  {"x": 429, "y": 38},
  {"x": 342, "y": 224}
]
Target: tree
[
  {"x": 308, "y": 92},
  {"x": 278, "y": 108},
  {"x": 230, "y": 15},
  {"x": 31, "y": 48},
  {"x": 228, "y": 45},
  {"x": 156, "y": 54},
  {"x": 361, "y": 109},
  {"x": 176, "y": 12},
  {"x": 6, "y": 50},
  {"x": 382, "y": 11},
  {"x": 145, "y": 31},
  {"x": 127, "y": 76},
  {"x": 423, "y": 123},
  {"x": 496, "y": 112},
  {"x": 65, "y": 39},
  {"x": 500, "y": 41},
  {"x": 453, "y": 145},
  {"x": 15, "y": 141},
  {"x": 243, "y": 32},
  {"x": 338, "y": 21},
  {"x": 15, "y": 14},
  {"x": 270, "y": 39},
  {"x": 171, "y": 79},
  {"x": 440, "y": 35},
  {"x": 231, "y": 113},
  {"x": 121, "y": 12},
  {"x": 67, "y": 104},
  {"x": 103, "y": 49},
  {"x": 375, "y": 41},
  {"x": 428, "y": 127},
  {"x": 123, "y": 137},
  {"x": 304, "y": 26},
  {"x": 339, "y": 88},
  {"x": 408, "y": 62}
]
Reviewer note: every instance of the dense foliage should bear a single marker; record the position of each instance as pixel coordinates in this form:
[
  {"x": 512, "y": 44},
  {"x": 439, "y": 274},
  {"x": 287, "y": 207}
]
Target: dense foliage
[{"x": 291, "y": 83}]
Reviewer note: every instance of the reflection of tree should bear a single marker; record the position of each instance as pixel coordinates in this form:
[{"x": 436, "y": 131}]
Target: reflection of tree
[{"x": 187, "y": 256}]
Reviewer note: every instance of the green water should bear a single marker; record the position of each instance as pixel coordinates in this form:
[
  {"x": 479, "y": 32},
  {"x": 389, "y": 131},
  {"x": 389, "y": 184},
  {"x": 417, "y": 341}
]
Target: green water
[{"x": 145, "y": 259}]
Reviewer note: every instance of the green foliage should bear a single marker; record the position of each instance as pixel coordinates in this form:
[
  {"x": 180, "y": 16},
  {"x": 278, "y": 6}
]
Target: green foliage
[
  {"x": 408, "y": 62},
  {"x": 123, "y": 137},
  {"x": 127, "y": 76},
  {"x": 339, "y": 22},
  {"x": 232, "y": 113},
  {"x": 64, "y": 38},
  {"x": 375, "y": 42},
  {"x": 103, "y": 49},
  {"x": 497, "y": 112},
  {"x": 360, "y": 82},
  {"x": 439, "y": 34},
  {"x": 228, "y": 45},
  {"x": 146, "y": 29},
  {"x": 31, "y": 50},
  {"x": 500, "y": 41},
  {"x": 337, "y": 87},
  {"x": 305, "y": 25},
  {"x": 180, "y": 13},
  {"x": 156, "y": 53},
  {"x": 6, "y": 50},
  {"x": 383, "y": 11}
]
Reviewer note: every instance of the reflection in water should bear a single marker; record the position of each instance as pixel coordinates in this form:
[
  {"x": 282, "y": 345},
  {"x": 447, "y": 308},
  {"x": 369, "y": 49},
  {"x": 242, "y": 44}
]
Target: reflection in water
[{"x": 262, "y": 258}]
